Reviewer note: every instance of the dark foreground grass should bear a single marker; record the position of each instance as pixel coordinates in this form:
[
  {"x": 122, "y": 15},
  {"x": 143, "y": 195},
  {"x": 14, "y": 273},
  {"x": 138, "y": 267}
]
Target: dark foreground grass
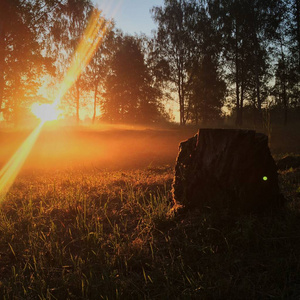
[{"x": 90, "y": 234}]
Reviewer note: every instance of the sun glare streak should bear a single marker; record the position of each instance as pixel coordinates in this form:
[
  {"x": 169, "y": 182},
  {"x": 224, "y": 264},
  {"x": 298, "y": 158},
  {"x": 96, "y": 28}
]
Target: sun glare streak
[
  {"x": 89, "y": 43},
  {"x": 10, "y": 171}
]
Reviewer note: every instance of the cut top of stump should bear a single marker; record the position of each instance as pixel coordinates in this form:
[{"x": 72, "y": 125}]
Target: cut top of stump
[{"x": 226, "y": 168}]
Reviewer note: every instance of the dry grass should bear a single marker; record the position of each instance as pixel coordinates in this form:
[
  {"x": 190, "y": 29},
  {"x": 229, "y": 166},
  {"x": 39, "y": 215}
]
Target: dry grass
[
  {"x": 90, "y": 234},
  {"x": 86, "y": 232}
]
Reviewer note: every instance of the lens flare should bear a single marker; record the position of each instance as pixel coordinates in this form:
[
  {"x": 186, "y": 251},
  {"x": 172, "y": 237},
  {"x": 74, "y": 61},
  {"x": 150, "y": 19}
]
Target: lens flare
[
  {"x": 89, "y": 43},
  {"x": 10, "y": 171},
  {"x": 45, "y": 112}
]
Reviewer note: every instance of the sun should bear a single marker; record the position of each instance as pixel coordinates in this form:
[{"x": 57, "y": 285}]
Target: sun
[{"x": 45, "y": 112}]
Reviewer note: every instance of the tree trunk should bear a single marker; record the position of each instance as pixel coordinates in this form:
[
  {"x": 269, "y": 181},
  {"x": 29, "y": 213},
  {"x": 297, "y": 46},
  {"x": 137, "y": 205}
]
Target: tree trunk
[
  {"x": 285, "y": 102},
  {"x": 298, "y": 30},
  {"x": 2, "y": 57},
  {"x": 181, "y": 102},
  {"x": 242, "y": 72},
  {"x": 237, "y": 87},
  {"x": 285, "y": 113},
  {"x": 16, "y": 101},
  {"x": 180, "y": 88},
  {"x": 77, "y": 101},
  {"x": 242, "y": 102},
  {"x": 95, "y": 103},
  {"x": 259, "y": 117},
  {"x": 257, "y": 88},
  {"x": 283, "y": 83},
  {"x": 182, "y": 121},
  {"x": 196, "y": 115}
]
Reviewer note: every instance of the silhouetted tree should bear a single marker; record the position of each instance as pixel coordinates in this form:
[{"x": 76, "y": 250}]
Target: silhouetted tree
[
  {"x": 287, "y": 77},
  {"x": 188, "y": 37},
  {"x": 69, "y": 20},
  {"x": 98, "y": 68},
  {"x": 207, "y": 92},
  {"x": 158, "y": 86},
  {"x": 21, "y": 61},
  {"x": 178, "y": 42},
  {"x": 292, "y": 24},
  {"x": 248, "y": 31},
  {"x": 130, "y": 95}
]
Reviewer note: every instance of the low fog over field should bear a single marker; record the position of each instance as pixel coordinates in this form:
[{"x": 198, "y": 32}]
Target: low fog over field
[{"x": 109, "y": 147}]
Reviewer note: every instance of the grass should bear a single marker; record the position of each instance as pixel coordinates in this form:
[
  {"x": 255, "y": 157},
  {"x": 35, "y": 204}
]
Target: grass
[
  {"x": 91, "y": 234},
  {"x": 83, "y": 233}
]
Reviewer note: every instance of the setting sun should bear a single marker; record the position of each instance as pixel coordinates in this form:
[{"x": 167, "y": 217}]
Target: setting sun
[
  {"x": 49, "y": 112},
  {"x": 45, "y": 112}
]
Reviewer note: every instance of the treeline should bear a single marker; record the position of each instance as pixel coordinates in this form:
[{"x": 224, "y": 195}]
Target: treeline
[{"x": 207, "y": 55}]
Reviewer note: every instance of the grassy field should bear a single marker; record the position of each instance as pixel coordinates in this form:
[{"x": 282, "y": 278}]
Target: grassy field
[{"x": 93, "y": 231}]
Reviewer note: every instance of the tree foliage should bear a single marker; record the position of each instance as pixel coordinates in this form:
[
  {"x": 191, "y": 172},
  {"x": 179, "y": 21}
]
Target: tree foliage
[
  {"x": 207, "y": 92},
  {"x": 98, "y": 68},
  {"x": 21, "y": 59},
  {"x": 287, "y": 68},
  {"x": 70, "y": 19},
  {"x": 249, "y": 29},
  {"x": 185, "y": 37},
  {"x": 202, "y": 52},
  {"x": 130, "y": 93}
]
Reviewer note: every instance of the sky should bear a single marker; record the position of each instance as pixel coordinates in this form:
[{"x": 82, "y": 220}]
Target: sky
[{"x": 132, "y": 16}]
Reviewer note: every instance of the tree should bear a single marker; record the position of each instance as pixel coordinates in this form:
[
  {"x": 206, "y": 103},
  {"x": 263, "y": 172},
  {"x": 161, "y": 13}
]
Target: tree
[
  {"x": 98, "y": 68},
  {"x": 188, "y": 38},
  {"x": 178, "y": 43},
  {"x": 287, "y": 77},
  {"x": 21, "y": 61},
  {"x": 248, "y": 29},
  {"x": 292, "y": 24},
  {"x": 207, "y": 92},
  {"x": 158, "y": 73},
  {"x": 280, "y": 87},
  {"x": 130, "y": 95},
  {"x": 69, "y": 21},
  {"x": 293, "y": 28}
]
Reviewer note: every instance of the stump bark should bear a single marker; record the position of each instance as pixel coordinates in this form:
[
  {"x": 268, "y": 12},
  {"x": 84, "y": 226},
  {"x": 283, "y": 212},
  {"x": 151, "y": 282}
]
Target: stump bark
[{"x": 226, "y": 168}]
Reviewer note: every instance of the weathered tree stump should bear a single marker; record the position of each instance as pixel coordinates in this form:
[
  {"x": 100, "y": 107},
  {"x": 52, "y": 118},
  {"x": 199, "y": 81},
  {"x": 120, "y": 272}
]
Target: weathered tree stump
[{"x": 226, "y": 168}]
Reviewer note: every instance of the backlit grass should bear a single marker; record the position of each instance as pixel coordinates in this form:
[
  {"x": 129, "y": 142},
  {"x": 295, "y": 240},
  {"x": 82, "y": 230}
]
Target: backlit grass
[{"x": 92, "y": 234}]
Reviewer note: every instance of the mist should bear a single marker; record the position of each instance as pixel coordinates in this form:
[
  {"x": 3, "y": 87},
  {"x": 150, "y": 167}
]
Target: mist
[{"x": 108, "y": 147}]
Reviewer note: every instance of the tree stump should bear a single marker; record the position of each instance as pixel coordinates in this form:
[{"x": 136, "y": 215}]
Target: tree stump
[{"x": 226, "y": 168}]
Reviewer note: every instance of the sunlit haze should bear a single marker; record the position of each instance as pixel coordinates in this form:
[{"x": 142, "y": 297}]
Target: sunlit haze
[{"x": 46, "y": 112}]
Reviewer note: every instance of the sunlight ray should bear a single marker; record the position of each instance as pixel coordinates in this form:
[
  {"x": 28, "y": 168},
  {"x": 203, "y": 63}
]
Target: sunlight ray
[
  {"x": 89, "y": 43},
  {"x": 10, "y": 171}
]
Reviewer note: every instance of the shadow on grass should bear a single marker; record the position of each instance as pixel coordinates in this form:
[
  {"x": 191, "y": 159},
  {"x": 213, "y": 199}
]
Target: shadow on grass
[{"x": 90, "y": 234}]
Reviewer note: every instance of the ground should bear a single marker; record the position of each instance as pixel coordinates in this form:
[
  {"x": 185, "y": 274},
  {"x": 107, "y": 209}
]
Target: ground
[{"x": 104, "y": 229}]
